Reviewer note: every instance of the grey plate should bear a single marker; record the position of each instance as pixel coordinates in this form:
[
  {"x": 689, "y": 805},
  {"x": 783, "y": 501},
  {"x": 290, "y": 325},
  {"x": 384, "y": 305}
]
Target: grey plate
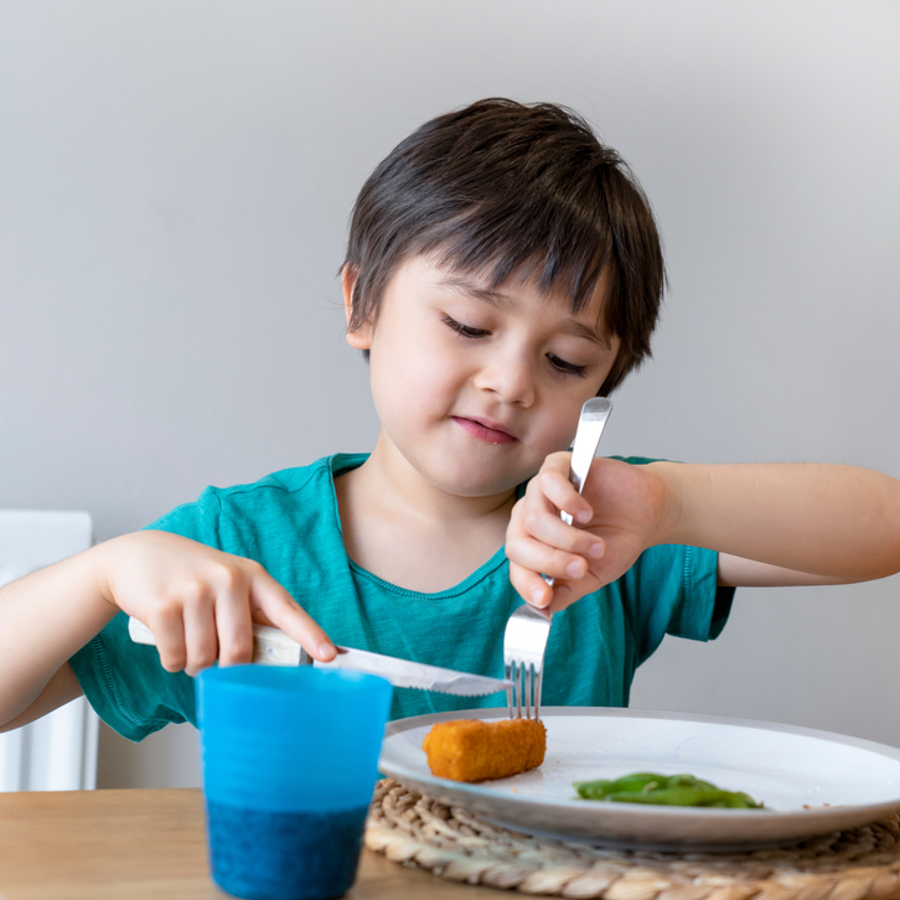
[{"x": 811, "y": 782}]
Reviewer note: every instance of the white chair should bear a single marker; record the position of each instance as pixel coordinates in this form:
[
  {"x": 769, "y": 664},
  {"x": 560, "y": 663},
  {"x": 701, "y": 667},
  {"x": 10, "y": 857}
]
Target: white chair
[{"x": 59, "y": 751}]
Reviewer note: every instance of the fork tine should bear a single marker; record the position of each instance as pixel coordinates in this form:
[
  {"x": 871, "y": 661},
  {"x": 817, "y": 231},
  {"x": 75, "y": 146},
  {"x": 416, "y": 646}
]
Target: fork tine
[
  {"x": 524, "y": 642},
  {"x": 533, "y": 680},
  {"x": 520, "y": 679},
  {"x": 526, "y": 700},
  {"x": 527, "y": 688}
]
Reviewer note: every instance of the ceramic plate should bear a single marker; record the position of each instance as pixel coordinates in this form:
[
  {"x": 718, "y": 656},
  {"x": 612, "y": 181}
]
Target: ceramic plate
[{"x": 811, "y": 782}]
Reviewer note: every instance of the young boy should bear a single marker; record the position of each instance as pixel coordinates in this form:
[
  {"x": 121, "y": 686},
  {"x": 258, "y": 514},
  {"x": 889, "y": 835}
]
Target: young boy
[{"x": 502, "y": 269}]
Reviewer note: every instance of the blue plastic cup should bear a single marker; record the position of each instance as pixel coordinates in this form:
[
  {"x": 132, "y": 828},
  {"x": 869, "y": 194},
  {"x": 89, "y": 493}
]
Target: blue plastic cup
[{"x": 290, "y": 760}]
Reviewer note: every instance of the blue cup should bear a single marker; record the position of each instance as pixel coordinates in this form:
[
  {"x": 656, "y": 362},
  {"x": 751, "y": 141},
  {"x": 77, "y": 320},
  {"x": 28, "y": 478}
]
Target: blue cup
[{"x": 290, "y": 759}]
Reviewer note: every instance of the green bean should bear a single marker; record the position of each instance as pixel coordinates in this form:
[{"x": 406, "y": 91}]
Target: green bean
[
  {"x": 639, "y": 781},
  {"x": 666, "y": 790},
  {"x": 686, "y": 796}
]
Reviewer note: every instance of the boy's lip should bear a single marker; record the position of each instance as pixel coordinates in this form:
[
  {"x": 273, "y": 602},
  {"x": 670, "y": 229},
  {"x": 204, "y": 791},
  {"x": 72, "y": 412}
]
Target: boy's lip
[{"x": 486, "y": 430}]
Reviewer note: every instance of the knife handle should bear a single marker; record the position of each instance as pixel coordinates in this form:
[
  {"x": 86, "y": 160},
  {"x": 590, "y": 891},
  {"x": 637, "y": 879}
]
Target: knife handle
[{"x": 271, "y": 646}]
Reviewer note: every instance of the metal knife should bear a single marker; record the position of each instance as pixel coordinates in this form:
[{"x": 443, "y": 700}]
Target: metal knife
[{"x": 272, "y": 647}]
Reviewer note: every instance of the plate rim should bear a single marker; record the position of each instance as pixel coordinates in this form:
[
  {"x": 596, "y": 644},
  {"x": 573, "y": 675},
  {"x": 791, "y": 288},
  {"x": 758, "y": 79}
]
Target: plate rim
[{"x": 635, "y": 813}]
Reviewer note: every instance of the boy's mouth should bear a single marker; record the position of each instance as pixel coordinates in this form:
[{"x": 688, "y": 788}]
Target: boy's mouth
[{"x": 485, "y": 430}]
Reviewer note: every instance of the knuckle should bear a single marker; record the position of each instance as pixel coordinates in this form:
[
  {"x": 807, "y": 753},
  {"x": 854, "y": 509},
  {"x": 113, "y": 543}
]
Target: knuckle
[
  {"x": 521, "y": 552},
  {"x": 230, "y": 578},
  {"x": 202, "y": 659},
  {"x": 561, "y": 562},
  {"x": 516, "y": 548},
  {"x": 237, "y": 650},
  {"x": 254, "y": 567},
  {"x": 168, "y": 610},
  {"x": 193, "y": 592},
  {"x": 531, "y": 520},
  {"x": 534, "y": 487},
  {"x": 172, "y": 662},
  {"x": 556, "y": 459}
]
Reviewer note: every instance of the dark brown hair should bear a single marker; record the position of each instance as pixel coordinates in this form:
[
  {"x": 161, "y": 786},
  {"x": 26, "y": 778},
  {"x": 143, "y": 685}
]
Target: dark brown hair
[{"x": 506, "y": 189}]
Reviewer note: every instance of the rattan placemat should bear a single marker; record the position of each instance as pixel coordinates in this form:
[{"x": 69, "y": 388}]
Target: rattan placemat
[{"x": 412, "y": 829}]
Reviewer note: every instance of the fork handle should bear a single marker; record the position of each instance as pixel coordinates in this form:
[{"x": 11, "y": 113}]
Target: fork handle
[{"x": 594, "y": 415}]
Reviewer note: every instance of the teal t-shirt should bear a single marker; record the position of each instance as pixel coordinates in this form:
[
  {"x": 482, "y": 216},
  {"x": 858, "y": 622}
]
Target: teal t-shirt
[{"x": 289, "y": 522}]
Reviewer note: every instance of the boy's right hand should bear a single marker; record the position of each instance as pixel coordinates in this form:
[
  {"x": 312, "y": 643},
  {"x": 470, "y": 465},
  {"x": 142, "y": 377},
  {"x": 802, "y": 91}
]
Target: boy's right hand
[{"x": 201, "y": 603}]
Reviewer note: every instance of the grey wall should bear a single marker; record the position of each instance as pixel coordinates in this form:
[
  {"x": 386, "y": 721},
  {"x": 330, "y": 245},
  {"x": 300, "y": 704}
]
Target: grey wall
[{"x": 175, "y": 183}]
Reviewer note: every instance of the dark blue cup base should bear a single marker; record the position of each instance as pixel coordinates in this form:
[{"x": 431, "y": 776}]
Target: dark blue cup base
[{"x": 264, "y": 855}]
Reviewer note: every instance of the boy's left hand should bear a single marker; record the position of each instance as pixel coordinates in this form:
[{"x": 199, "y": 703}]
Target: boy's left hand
[{"x": 616, "y": 517}]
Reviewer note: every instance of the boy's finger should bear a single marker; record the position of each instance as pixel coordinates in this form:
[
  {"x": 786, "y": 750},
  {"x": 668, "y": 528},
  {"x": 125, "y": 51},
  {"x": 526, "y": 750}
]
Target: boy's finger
[
  {"x": 168, "y": 633},
  {"x": 234, "y": 627},
  {"x": 540, "y": 559},
  {"x": 562, "y": 494},
  {"x": 201, "y": 641},
  {"x": 280, "y": 610},
  {"x": 560, "y": 461},
  {"x": 533, "y": 589},
  {"x": 565, "y": 594},
  {"x": 550, "y": 529}
]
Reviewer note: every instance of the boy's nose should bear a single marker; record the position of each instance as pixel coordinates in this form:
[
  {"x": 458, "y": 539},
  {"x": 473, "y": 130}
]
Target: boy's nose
[{"x": 511, "y": 379}]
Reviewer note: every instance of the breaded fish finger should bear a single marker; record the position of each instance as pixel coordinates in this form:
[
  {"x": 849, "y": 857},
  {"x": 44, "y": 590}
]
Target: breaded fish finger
[{"x": 473, "y": 750}]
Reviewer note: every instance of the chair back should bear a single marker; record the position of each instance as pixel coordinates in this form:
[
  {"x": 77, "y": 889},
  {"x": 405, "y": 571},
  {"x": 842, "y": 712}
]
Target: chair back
[{"x": 59, "y": 751}]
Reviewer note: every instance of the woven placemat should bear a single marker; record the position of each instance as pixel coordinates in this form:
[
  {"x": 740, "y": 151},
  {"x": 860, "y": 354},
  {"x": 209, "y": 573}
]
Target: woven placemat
[{"x": 412, "y": 829}]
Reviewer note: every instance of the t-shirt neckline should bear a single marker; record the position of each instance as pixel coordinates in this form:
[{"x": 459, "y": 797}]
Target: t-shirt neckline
[{"x": 344, "y": 462}]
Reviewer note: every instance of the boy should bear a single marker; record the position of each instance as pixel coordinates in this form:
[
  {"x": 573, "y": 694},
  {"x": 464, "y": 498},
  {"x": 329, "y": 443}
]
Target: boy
[{"x": 502, "y": 269}]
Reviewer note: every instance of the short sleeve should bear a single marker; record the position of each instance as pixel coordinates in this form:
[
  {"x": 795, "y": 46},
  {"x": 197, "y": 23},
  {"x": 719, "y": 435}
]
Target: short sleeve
[
  {"x": 673, "y": 589},
  {"x": 123, "y": 681},
  {"x": 127, "y": 686}
]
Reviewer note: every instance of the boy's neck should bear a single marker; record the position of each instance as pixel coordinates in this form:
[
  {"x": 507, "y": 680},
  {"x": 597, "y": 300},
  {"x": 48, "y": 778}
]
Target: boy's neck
[
  {"x": 390, "y": 477},
  {"x": 408, "y": 532}
]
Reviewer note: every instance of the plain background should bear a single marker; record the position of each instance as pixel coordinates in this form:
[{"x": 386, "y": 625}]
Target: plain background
[{"x": 175, "y": 185}]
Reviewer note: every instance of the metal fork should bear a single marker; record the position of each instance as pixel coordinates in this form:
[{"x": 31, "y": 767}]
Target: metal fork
[
  {"x": 593, "y": 418},
  {"x": 524, "y": 642},
  {"x": 527, "y": 629}
]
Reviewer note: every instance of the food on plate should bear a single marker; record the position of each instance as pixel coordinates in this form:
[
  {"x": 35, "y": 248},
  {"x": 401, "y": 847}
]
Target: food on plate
[
  {"x": 666, "y": 790},
  {"x": 474, "y": 750}
]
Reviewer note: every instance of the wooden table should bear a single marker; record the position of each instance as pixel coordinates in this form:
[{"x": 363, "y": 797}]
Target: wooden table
[{"x": 137, "y": 844}]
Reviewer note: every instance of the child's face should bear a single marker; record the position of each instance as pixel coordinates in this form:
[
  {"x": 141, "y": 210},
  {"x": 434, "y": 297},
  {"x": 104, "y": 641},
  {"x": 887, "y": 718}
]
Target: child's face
[{"x": 473, "y": 387}]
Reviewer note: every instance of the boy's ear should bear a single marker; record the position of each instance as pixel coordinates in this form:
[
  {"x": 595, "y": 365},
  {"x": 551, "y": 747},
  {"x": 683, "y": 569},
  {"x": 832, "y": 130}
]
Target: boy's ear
[{"x": 360, "y": 338}]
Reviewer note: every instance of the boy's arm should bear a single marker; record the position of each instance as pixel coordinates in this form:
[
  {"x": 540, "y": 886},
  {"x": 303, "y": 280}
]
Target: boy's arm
[
  {"x": 62, "y": 687},
  {"x": 45, "y": 618},
  {"x": 199, "y": 603},
  {"x": 735, "y": 571},
  {"x": 833, "y": 523},
  {"x": 772, "y": 524}
]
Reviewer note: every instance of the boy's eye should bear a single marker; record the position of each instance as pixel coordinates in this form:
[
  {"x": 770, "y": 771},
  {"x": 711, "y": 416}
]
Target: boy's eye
[
  {"x": 465, "y": 330},
  {"x": 557, "y": 362},
  {"x": 566, "y": 368}
]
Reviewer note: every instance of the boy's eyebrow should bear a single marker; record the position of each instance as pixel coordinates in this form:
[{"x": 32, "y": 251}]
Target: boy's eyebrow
[
  {"x": 499, "y": 300},
  {"x": 493, "y": 298},
  {"x": 595, "y": 335}
]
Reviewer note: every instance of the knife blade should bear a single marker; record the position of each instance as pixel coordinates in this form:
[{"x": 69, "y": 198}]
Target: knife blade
[{"x": 272, "y": 647}]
